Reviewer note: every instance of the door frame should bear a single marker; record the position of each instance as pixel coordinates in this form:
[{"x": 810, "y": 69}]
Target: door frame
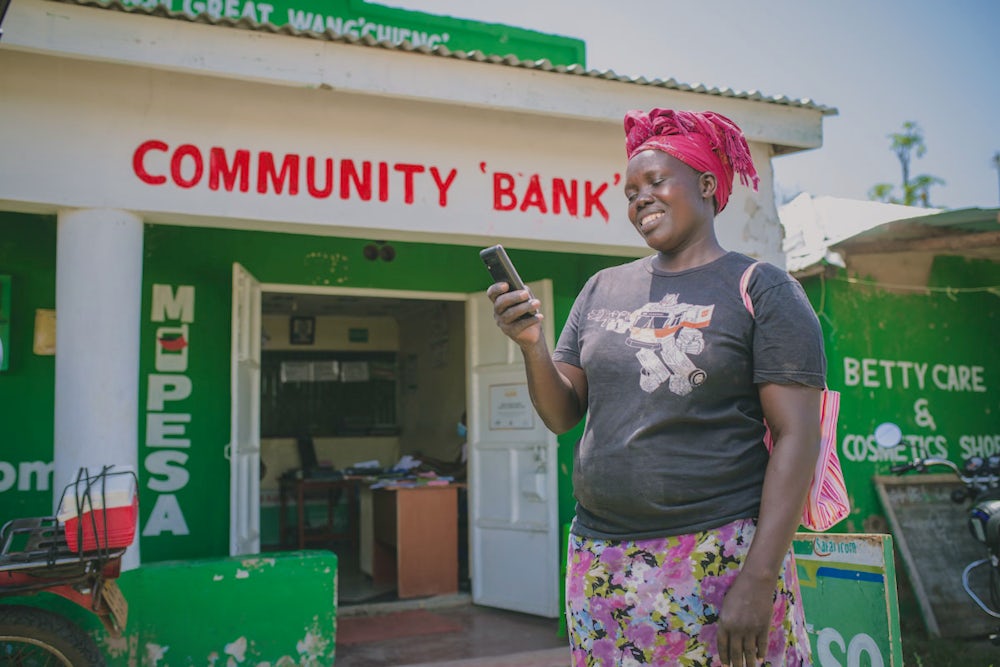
[
  {"x": 256, "y": 316},
  {"x": 243, "y": 450},
  {"x": 379, "y": 293}
]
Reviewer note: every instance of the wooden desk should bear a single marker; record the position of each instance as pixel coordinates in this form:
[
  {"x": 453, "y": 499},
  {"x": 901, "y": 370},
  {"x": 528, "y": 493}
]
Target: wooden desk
[
  {"x": 415, "y": 539},
  {"x": 300, "y": 490}
]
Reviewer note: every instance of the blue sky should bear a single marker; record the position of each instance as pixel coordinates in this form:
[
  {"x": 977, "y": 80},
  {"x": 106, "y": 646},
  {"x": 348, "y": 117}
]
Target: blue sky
[{"x": 879, "y": 62}]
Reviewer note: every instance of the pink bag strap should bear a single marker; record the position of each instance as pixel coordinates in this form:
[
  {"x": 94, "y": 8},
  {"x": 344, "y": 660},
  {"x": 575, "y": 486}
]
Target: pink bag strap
[
  {"x": 828, "y": 502},
  {"x": 744, "y": 288}
]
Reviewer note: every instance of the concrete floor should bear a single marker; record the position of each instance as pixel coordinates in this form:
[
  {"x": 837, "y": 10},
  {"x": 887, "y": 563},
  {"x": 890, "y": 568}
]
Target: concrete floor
[{"x": 489, "y": 638}]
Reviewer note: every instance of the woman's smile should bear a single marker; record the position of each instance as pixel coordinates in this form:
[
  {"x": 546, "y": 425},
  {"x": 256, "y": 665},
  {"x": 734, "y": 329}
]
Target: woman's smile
[
  {"x": 670, "y": 204},
  {"x": 646, "y": 223}
]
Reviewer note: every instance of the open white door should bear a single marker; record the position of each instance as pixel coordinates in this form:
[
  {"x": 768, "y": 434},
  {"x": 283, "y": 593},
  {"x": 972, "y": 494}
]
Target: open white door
[
  {"x": 513, "y": 504},
  {"x": 244, "y": 444}
]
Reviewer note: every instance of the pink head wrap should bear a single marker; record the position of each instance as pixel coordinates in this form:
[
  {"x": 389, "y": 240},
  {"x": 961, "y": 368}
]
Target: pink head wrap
[{"x": 704, "y": 141}]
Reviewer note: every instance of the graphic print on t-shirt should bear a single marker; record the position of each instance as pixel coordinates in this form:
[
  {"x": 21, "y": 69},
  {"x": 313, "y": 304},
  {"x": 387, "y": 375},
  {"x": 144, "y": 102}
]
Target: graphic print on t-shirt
[{"x": 666, "y": 333}]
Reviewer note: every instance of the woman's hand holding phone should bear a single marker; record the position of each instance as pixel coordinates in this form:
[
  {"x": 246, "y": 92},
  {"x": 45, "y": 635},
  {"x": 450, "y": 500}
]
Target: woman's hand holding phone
[{"x": 515, "y": 310}]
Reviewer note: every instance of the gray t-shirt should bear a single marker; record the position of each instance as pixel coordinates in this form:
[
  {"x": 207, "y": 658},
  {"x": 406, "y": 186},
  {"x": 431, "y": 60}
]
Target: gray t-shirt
[{"x": 673, "y": 437}]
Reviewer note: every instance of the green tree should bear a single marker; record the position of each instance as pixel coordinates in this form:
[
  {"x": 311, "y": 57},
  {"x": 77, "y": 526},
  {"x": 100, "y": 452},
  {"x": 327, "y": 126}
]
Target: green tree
[
  {"x": 882, "y": 192},
  {"x": 907, "y": 145},
  {"x": 919, "y": 189}
]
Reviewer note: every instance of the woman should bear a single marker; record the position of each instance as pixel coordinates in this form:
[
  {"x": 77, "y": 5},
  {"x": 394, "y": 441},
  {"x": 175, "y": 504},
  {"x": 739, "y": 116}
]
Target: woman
[{"x": 680, "y": 549}]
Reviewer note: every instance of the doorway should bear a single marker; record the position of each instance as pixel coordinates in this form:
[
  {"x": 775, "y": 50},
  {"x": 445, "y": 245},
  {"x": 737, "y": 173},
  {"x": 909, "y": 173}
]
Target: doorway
[
  {"x": 357, "y": 384},
  {"x": 449, "y": 356}
]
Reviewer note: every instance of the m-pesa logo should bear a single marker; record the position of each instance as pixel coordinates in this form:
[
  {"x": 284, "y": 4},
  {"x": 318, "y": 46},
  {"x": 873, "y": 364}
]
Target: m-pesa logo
[{"x": 166, "y": 421}]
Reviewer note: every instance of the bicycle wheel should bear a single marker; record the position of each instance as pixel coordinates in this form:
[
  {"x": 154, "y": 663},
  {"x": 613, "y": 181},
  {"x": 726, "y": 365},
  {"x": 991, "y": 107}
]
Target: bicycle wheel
[
  {"x": 995, "y": 588},
  {"x": 34, "y": 637}
]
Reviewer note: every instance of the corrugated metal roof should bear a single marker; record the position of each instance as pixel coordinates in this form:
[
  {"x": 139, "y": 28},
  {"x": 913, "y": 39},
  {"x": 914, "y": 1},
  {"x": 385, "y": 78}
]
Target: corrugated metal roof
[
  {"x": 815, "y": 224},
  {"x": 963, "y": 219},
  {"x": 972, "y": 232},
  {"x": 444, "y": 52}
]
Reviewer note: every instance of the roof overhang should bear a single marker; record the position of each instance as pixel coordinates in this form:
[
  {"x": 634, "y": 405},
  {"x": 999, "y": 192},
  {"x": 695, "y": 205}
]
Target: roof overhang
[
  {"x": 156, "y": 38},
  {"x": 972, "y": 232}
]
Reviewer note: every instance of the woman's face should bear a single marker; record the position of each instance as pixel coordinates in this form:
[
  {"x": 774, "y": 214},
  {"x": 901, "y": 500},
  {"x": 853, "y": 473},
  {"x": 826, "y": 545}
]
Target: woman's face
[{"x": 669, "y": 203}]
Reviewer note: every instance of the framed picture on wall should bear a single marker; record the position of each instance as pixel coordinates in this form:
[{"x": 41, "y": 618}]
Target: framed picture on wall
[{"x": 302, "y": 330}]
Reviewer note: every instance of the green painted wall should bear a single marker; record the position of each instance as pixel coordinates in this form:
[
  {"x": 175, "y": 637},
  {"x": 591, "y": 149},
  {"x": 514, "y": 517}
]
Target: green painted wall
[
  {"x": 274, "y": 610},
  {"x": 27, "y": 387},
  {"x": 925, "y": 360},
  {"x": 192, "y": 519}
]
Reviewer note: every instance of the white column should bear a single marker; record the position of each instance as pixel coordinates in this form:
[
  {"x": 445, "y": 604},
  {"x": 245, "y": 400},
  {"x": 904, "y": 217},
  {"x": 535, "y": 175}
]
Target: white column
[{"x": 98, "y": 302}]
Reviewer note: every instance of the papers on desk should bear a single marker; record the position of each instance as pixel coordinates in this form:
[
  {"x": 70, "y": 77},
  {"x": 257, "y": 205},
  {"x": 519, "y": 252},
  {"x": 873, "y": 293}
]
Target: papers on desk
[
  {"x": 403, "y": 475},
  {"x": 420, "y": 479},
  {"x": 406, "y": 463}
]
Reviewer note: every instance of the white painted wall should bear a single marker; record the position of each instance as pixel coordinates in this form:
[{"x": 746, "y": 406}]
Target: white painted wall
[{"x": 105, "y": 82}]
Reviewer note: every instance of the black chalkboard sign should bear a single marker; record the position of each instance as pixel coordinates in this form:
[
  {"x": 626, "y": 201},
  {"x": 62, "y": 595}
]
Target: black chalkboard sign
[
  {"x": 934, "y": 541},
  {"x": 315, "y": 393}
]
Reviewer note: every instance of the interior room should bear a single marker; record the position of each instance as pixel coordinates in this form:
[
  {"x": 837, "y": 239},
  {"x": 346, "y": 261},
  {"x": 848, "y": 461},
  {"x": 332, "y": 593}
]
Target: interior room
[{"x": 359, "y": 392}]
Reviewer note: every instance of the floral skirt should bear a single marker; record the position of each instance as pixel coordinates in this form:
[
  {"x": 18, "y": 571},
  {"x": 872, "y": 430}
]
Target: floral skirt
[{"x": 655, "y": 602}]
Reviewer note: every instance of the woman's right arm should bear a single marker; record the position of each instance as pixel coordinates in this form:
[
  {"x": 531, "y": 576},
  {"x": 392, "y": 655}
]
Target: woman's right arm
[{"x": 558, "y": 390}]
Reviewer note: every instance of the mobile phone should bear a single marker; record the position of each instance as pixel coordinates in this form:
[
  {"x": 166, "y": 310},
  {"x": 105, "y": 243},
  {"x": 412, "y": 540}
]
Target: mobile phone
[
  {"x": 500, "y": 267},
  {"x": 502, "y": 270}
]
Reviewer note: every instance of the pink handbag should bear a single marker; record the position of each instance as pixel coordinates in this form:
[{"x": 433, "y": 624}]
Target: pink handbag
[{"x": 828, "y": 503}]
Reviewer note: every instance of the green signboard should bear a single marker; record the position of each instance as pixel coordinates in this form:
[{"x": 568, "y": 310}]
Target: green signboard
[
  {"x": 359, "y": 19},
  {"x": 848, "y": 584}
]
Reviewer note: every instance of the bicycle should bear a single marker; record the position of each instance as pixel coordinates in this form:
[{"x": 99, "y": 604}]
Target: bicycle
[{"x": 77, "y": 558}]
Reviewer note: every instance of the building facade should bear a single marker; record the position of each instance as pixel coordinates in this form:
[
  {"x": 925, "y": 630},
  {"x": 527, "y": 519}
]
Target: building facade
[{"x": 209, "y": 205}]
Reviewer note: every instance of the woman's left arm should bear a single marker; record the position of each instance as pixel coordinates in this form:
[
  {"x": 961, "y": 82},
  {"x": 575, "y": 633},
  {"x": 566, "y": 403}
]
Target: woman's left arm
[{"x": 792, "y": 412}]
